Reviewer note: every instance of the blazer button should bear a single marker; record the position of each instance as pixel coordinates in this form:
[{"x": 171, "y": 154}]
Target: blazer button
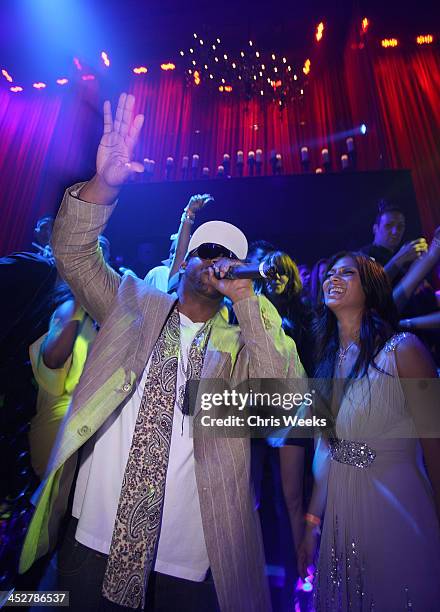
[
  {"x": 126, "y": 387},
  {"x": 84, "y": 430}
]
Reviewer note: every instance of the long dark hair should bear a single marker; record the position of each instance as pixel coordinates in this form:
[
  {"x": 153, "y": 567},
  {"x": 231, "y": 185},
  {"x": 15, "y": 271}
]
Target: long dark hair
[
  {"x": 295, "y": 315},
  {"x": 289, "y": 303},
  {"x": 315, "y": 293},
  {"x": 378, "y": 324}
]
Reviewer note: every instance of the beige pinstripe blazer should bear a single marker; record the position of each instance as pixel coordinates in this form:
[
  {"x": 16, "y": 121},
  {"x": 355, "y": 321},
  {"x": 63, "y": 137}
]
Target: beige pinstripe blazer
[{"x": 131, "y": 316}]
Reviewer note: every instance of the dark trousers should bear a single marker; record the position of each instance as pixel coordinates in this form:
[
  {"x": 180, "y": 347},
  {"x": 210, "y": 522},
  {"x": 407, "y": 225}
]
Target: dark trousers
[{"x": 80, "y": 570}]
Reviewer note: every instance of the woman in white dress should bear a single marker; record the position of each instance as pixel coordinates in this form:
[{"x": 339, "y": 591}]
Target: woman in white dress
[{"x": 377, "y": 473}]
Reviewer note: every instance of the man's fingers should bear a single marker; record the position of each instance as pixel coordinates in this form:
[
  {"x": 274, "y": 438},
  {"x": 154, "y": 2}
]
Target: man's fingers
[
  {"x": 134, "y": 166},
  {"x": 120, "y": 112},
  {"x": 133, "y": 134},
  {"x": 108, "y": 121},
  {"x": 127, "y": 115}
]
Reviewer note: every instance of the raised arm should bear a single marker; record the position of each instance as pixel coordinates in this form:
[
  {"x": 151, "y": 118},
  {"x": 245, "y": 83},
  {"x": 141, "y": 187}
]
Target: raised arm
[
  {"x": 408, "y": 253},
  {"x": 272, "y": 354},
  {"x": 196, "y": 203},
  {"x": 86, "y": 209},
  {"x": 418, "y": 271},
  {"x": 63, "y": 330}
]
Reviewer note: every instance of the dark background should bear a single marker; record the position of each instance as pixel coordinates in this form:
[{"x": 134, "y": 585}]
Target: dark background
[{"x": 310, "y": 216}]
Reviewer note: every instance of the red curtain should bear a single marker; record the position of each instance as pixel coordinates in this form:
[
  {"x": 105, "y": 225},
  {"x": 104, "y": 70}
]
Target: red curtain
[
  {"x": 409, "y": 101},
  {"x": 48, "y": 141}
]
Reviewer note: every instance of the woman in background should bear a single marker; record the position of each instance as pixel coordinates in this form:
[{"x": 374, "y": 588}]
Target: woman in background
[
  {"x": 57, "y": 360},
  {"x": 284, "y": 292}
]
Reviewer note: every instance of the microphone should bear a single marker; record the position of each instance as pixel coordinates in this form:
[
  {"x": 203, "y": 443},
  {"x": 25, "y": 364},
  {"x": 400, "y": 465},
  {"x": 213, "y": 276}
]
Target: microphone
[{"x": 262, "y": 271}]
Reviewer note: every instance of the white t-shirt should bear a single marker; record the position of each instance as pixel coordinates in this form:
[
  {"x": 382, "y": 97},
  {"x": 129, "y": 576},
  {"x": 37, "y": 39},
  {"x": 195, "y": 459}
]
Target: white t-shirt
[
  {"x": 158, "y": 277},
  {"x": 181, "y": 549}
]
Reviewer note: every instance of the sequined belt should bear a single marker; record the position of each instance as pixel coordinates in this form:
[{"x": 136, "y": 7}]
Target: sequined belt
[{"x": 357, "y": 454}]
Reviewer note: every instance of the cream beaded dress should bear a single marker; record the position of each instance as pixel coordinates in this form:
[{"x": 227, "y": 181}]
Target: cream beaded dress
[{"x": 380, "y": 543}]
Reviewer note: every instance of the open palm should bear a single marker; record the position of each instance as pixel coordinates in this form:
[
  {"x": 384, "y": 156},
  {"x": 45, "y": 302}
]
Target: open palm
[{"x": 114, "y": 158}]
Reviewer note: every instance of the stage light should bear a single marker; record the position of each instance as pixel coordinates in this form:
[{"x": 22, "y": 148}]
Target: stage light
[
  {"x": 140, "y": 70},
  {"x": 257, "y": 54},
  {"x": 255, "y": 77},
  {"x": 7, "y": 76},
  {"x": 196, "y": 77},
  {"x": 39, "y": 85},
  {"x": 206, "y": 66},
  {"x": 211, "y": 76},
  {"x": 191, "y": 50},
  {"x": 223, "y": 81},
  {"x": 88, "y": 77},
  {"x": 295, "y": 77},
  {"x": 425, "y": 39},
  {"x": 218, "y": 40},
  {"x": 221, "y": 88},
  {"x": 182, "y": 53},
  {"x": 190, "y": 71},
  {"x": 306, "y": 67},
  {"x": 365, "y": 24},
  {"x": 261, "y": 92},
  {"x": 250, "y": 43},
  {"x": 194, "y": 62},
  {"x": 195, "y": 35},
  {"x": 16, "y": 88},
  {"x": 275, "y": 69},
  {"x": 225, "y": 56},
  {"x": 169, "y": 66},
  {"x": 234, "y": 65},
  {"x": 62, "y": 81},
  {"x": 363, "y": 129},
  {"x": 302, "y": 92},
  {"x": 216, "y": 59},
  {"x": 77, "y": 63},
  {"x": 273, "y": 56},
  {"x": 105, "y": 58},
  {"x": 242, "y": 53},
  {"x": 261, "y": 74},
  {"x": 289, "y": 68},
  {"x": 284, "y": 60},
  {"x": 213, "y": 47},
  {"x": 389, "y": 42},
  {"x": 228, "y": 88},
  {"x": 319, "y": 31},
  {"x": 201, "y": 41},
  {"x": 263, "y": 67}
]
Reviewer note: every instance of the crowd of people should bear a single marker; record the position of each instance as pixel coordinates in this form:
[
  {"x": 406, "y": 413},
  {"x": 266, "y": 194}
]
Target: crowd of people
[{"x": 128, "y": 509}]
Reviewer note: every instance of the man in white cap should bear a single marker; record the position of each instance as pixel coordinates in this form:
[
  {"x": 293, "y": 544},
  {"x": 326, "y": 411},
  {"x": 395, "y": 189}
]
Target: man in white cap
[{"x": 160, "y": 520}]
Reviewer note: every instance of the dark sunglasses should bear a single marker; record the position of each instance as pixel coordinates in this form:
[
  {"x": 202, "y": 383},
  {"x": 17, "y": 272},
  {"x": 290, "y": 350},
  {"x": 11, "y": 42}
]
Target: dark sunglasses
[{"x": 212, "y": 250}]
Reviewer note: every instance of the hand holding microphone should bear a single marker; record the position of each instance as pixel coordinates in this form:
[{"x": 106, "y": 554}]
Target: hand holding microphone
[{"x": 234, "y": 279}]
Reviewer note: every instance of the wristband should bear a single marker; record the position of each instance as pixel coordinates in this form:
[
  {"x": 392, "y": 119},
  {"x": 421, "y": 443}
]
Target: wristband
[
  {"x": 187, "y": 216},
  {"x": 312, "y": 519}
]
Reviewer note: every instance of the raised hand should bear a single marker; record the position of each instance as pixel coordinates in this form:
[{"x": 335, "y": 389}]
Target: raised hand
[
  {"x": 410, "y": 251},
  {"x": 197, "y": 202},
  {"x": 114, "y": 163}
]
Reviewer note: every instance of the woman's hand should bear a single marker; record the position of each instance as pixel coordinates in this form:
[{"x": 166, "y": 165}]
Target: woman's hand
[{"x": 307, "y": 551}]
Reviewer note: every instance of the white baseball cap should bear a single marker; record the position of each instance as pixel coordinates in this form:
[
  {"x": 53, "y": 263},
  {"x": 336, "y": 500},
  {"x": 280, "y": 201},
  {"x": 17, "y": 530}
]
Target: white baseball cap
[{"x": 220, "y": 232}]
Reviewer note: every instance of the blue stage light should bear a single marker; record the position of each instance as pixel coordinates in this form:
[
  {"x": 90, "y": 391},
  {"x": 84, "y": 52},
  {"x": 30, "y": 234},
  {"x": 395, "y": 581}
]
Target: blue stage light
[{"x": 363, "y": 129}]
